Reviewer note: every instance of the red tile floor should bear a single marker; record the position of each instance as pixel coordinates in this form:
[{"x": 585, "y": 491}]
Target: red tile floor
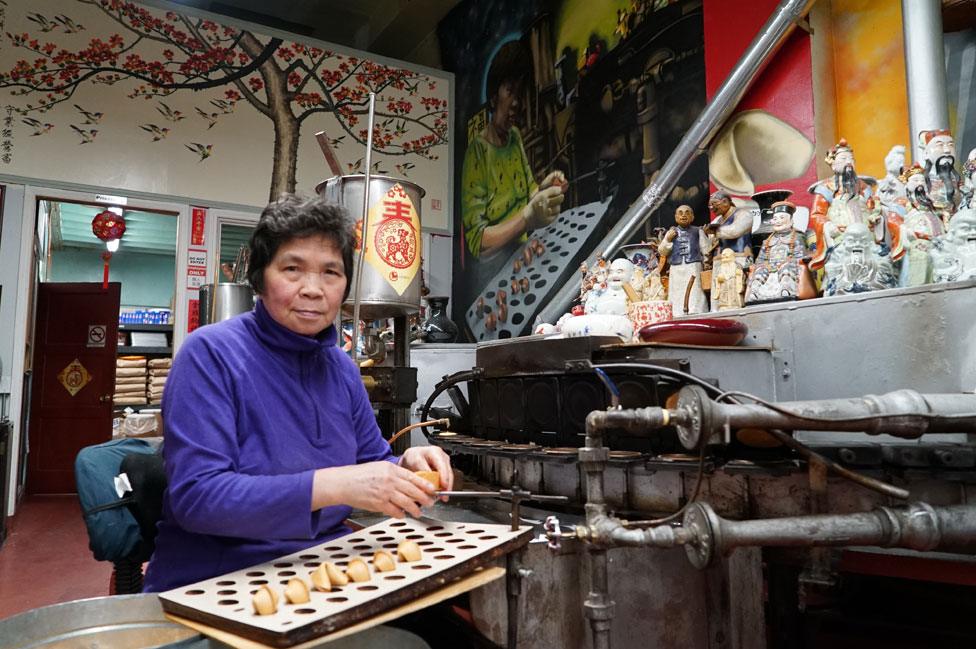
[{"x": 45, "y": 559}]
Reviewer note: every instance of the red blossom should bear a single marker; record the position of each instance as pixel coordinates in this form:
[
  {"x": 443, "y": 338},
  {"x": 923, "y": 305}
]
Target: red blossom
[{"x": 256, "y": 83}]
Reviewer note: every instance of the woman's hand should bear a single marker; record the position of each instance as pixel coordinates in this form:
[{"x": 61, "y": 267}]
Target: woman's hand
[
  {"x": 430, "y": 458},
  {"x": 374, "y": 486}
]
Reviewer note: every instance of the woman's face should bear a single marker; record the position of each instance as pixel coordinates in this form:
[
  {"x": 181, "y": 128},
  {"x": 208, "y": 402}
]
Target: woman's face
[
  {"x": 505, "y": 107},
  {"x": 304, "y": 283}
]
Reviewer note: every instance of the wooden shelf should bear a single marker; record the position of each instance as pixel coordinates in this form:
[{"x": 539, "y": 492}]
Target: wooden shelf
[
  {"x": 137, "y": 407},
  {"x": 123, "y": 350},
  {"x": 145, "y": 327}
]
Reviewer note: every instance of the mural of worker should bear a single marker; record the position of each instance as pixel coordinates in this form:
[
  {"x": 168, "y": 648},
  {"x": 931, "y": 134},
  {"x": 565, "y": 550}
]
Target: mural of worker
[{"x": 500, "y": 200}]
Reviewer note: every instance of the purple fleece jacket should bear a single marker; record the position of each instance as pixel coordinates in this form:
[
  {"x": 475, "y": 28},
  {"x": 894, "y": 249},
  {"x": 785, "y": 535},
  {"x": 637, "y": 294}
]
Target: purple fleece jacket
[{"x": 251, "y": 410}]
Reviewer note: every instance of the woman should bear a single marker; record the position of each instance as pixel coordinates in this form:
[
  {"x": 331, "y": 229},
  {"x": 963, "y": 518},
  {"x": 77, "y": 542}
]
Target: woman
[
  {"x": 270, "y": 437},
  {"x": 500, "y": 201}
]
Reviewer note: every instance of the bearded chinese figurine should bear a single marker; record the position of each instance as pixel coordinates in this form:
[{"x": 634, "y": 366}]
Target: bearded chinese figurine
[
  {"x": 685, "y": 246},
  {"x": 838, "y": 203},
  {"x": 920, "y": 226},
  {"x": 728, "y": 282},
  {"x": 954, "y": 253},
  {"x": 732, "y": 230},
  {"x": 891, "y": 189},
  {"x": 941, "y": 178},
  {"x": 776, "y": 275},
  {"x": 857, "y": 264}
]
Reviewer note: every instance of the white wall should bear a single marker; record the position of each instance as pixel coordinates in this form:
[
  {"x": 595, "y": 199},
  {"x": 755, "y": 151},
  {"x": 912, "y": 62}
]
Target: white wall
[{"x": 10, "y": 236}]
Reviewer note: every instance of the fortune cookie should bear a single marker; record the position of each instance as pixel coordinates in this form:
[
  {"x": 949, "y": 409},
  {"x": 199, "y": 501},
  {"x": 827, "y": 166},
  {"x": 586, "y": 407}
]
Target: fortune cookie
[
  {"x": 320, "y": 579},
  {"x": 336, "y": 576},
  {"x": 357, "y": 570},
  {"x": 265, "y": 601},
  {"x": 408, "y": 551},
  {"x": 296, "y": 591},
  {"x": 383, "y": 561},
  {"x": 433, "y": 477}
]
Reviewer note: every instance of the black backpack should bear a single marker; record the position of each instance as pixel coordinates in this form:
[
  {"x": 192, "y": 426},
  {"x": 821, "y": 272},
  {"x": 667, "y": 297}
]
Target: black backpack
[{"x": 121, "y": 527}]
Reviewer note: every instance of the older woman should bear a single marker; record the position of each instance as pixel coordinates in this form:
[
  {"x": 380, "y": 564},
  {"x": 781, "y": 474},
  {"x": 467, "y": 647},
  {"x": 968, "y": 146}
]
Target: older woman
[{"x": 270, "y": 437}]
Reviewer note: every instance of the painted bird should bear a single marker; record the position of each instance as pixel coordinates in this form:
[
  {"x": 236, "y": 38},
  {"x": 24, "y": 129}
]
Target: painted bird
[
  {"x": 39, "y": 127},
  {"x": 404, "y": 168},
  {"x": 86, "y": 135},
  {"x": 336, "y": 141},
  {"x": 90, "y": 117},
  {"x": 170, "y": 114},
  {"x": 202, "y": 150},
  {"x": 210, "y": 117},
  {"x": 226, "y": 107},
  {"x": 157, "y": 132},
  {"x": 45, "y": 24},
  {"x": 70, "y": 26}
]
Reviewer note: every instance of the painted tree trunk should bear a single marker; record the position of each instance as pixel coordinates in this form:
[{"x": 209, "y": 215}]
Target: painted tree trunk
[{"x": 286, "y": 126}]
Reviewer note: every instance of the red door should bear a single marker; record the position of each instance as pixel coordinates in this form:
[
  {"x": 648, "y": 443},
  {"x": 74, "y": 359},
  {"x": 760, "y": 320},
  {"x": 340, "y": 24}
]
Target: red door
[{"x": 74, "y": 378}]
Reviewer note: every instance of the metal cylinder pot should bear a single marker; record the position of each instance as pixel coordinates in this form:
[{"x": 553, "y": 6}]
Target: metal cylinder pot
[
  {"x": 391, "y": 272},
  {"x": 227, "y": 301}
]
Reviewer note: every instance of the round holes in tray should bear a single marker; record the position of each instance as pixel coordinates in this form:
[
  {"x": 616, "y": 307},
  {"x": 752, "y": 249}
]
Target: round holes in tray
[
  {"x": 228, "y": 602},
  {"x": 195, "y": 591},
  {"x": 309, "y": 611},
  {"x": 394, "y": 577}
]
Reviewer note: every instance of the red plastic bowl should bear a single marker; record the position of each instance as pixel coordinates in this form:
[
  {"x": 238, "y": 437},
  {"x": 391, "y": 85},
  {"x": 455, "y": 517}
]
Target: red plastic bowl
[{"x": 716, "y": 332}]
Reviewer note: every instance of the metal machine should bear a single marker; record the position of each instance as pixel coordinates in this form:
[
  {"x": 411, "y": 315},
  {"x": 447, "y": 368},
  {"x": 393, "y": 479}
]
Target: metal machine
[{"x": 798, "y": 486}]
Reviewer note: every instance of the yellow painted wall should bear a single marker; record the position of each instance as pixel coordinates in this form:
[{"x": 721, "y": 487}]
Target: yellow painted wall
[{"x": 869, "y": 79}]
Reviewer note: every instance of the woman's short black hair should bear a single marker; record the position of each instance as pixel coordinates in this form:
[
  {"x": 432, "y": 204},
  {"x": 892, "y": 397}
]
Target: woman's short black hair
[
  {"x": 508, "y": 66},
  {"x": 294, "y": 217}
]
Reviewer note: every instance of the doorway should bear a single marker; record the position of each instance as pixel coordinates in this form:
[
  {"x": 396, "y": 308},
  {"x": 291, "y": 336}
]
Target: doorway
[{"x": 91, "y": 343}]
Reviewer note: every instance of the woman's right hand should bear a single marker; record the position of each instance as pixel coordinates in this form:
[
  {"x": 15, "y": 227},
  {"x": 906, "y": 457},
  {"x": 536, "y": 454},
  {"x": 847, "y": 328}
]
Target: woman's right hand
[{"x": 374, "y": 486}]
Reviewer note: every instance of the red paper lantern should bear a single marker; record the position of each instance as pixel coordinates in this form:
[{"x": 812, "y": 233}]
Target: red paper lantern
[{"x": 107, "y": 226}]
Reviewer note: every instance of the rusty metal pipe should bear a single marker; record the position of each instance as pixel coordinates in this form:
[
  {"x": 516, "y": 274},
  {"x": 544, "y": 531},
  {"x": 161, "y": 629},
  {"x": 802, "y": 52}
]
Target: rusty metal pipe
[
  {"x": 902, "y": 413},
  {"x": 608, "y": 532},
  {"x": 918, "y": 527}
]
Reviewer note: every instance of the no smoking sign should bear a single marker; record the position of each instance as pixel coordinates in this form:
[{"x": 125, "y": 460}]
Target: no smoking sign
[{"x": 96, "y": 335}]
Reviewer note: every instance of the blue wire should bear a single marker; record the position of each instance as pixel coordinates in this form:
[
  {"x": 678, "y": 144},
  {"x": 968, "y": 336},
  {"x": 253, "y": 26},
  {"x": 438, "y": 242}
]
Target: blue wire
[{"x": 607, "y": 381}]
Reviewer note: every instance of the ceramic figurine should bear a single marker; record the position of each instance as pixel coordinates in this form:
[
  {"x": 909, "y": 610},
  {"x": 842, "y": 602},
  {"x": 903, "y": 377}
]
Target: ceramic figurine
[
  {"x": 891, "y": 189},
  {"x": 969, "y": 182},
  {"x": 764, "y": 201},
  {"x": 728, "y": 282},
  {"x": 604, "y": 311},
  {"x": 838, "y": 203},
  {"x": 954, "y": 253},
  {"x": 732, "y": 230},
  {"x": 776, "y": 275},
  {"x": 857, "y": 264},
  {"x": 941, "y": 178},
  {"x": 920, "y": 226},
  {"x": 685, "y": 246}
]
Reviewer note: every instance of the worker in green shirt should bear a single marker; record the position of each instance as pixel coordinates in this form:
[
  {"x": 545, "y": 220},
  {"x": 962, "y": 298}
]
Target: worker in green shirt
[{"x": 500, "y": 200}]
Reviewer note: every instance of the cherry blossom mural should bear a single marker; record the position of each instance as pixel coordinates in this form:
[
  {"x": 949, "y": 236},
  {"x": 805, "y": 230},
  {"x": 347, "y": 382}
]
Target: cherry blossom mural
[{"x": 90, "y": 71}]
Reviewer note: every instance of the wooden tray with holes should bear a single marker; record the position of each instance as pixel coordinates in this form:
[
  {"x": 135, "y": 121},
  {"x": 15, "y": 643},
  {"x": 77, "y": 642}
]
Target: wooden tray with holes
[
  {"x": 450, "y": 551},
  {"x": 565, "y": 243}
]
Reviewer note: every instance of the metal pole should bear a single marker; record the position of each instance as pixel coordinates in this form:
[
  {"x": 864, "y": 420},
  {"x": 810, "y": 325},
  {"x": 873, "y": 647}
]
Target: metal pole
[
  {"x": 362, "y": 244},
  {"x": 924, "y": 68},
  {"x": 696, "y": 140}
]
